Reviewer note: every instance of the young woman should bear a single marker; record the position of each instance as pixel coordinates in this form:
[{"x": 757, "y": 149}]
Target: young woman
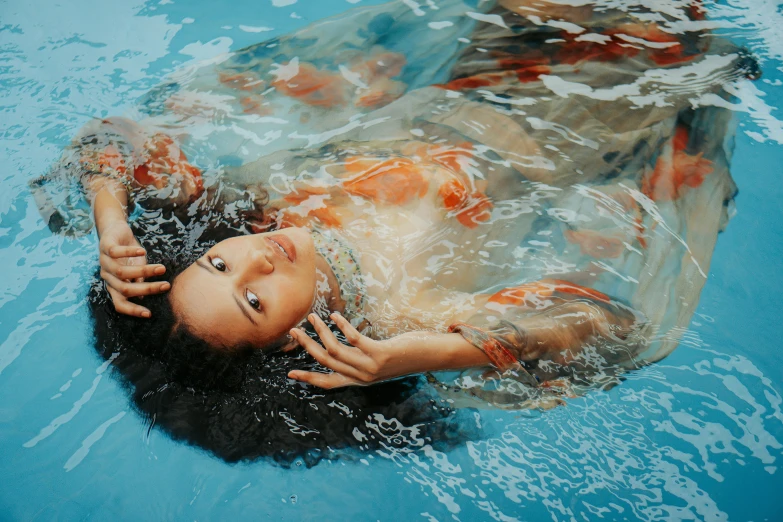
[{"x": 523, "y": 186}]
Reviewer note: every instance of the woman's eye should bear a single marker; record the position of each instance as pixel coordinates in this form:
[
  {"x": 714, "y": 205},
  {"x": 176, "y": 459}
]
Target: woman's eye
[
  {"x": 252, "y": 300},
  {"x": 218, "y": 264}
]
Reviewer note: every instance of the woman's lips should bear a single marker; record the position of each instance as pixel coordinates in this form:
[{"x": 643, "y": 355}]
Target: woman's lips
[{"x": 286, "y": 244}]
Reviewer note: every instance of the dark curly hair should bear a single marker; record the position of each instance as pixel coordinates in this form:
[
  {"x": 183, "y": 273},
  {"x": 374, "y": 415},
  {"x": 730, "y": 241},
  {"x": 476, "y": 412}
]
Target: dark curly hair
[{"x": 240, "y": 406}]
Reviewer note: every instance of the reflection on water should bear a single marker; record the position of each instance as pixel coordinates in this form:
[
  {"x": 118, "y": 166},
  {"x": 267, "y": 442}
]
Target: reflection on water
[
  {"x": 696, "y": 436},
  {"x": 655, "y": 448}
]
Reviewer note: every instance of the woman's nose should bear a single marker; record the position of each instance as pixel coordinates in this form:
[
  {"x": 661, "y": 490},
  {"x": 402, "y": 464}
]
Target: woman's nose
[{"x": 259, "y": 260}]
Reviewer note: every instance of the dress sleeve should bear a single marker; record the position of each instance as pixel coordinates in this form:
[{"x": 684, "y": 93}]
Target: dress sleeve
[
  {"x": 150, "y": 165},
  {"x": 554, "y": 328}
]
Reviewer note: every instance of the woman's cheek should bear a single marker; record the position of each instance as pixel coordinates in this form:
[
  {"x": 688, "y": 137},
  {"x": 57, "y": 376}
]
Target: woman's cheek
[
  {"x": 290, "y": 302},
  {"x": 305, "y": 295}
]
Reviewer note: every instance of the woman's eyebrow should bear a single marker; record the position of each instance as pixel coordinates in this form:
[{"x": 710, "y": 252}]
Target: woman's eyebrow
[{"x": 203, "y": 265}]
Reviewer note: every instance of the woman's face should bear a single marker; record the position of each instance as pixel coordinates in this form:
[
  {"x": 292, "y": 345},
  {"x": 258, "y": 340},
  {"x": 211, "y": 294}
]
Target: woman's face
[{"x": 248, "y": 290}]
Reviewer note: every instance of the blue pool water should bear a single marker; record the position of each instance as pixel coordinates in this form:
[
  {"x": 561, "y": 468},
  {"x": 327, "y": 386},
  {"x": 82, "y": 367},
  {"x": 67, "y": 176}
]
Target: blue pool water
[{"x": 698, "y": 436}]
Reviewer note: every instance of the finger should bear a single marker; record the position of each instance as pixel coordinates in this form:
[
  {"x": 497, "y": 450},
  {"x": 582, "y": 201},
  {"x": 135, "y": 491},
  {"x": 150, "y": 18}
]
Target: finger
[
  {"x": 134, "y": 289},
  {"x": 132, "y": 272},
  {"x": 352, "y": 335},
  {"x": 327, "y": 381},
  {"x": 289, "y": 347},
  {"x": 136, "y": 261},
  {"x": 324, "y": 359},
  {"x": 336, "y": 349},
  {"x": 125, "y": 307},
  {"x": 124, "y": 251}
]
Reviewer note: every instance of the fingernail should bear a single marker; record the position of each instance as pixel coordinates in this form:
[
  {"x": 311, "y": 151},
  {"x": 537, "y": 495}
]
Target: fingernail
[
  {"x": 164, "y": 287},
  {"x": 292, "y": 333},
  {"x": 160, "y": 270},
  {"x": 140, "y": 252},
  {"x": 146, "y": 314}
]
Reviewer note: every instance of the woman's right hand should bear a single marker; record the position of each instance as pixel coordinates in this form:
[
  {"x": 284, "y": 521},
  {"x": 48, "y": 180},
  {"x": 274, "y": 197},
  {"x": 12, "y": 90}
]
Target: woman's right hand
[
  {"x": 367, "y": 361},
  {"x": 124, "y": 268}
]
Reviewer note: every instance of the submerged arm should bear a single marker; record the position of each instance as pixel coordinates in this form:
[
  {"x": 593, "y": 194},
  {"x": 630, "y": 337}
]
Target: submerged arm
[
  {"x": 367, "y": 361},
  {"x": 123, "y": 262},
  {"x": 551, "y": 328},
  {"x": 114, "y": 160},
  {"x": 568, "y": 319}
]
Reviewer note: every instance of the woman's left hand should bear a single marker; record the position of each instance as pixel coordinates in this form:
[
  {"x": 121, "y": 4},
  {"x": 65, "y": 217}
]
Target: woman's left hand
[{"x": 365, "y": 361}]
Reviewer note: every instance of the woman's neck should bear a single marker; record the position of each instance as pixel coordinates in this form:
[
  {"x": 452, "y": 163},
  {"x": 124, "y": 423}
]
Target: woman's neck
[
  {"x": 345, "y": 285},
  {"x": 331, "y": 294}
]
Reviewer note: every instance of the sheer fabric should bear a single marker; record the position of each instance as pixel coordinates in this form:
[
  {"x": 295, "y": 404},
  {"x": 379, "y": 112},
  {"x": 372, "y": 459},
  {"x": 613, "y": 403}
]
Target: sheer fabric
[{"x": 504, "y": 174}]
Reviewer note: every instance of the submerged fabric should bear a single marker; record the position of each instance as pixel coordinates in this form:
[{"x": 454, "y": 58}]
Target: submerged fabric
[{"x": 488, "y": 165}]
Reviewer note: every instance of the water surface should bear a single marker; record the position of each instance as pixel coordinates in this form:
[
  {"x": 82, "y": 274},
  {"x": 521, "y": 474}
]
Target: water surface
[{"x": 697, "y": 436}]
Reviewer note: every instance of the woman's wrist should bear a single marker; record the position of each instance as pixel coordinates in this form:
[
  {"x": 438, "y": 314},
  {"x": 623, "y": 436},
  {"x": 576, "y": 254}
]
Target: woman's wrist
[
  {"x": 110, "y": 202},
  {"x": 459, "y": 353},
  {"x": 369, "y": 361},
  {"x": 433, "y": 351}
]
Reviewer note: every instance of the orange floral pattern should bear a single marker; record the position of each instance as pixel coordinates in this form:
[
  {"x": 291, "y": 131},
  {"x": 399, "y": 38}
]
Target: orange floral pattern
[
  {"x": 315, "y": 87},
  {"x": 675, "y": 170},
  {"x": 255, "y": 104},
  {"x": 530, "y": 294},
  {"x": 475, "y": 209},
  {"x": 501, "y": 357},
  {"x": 395, "y": 181},
  {"x": 111, "y": 158},
  {"x": 245, "y": 81},
  {"x": 364, "y": 81},
  {"x": 163, "y": 159},
  {"x": 662, "y": 48},
  {"x": 157, "y": 163},
  {"x": 308, "y": 201},
  {"x": 625, "y": 41},
  {"x": 469, "y": 206},
  {"x": 456, "y": 155}
]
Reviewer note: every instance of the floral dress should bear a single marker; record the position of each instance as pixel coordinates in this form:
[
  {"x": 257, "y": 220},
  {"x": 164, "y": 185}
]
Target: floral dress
[{"x": 490, "y": 164}]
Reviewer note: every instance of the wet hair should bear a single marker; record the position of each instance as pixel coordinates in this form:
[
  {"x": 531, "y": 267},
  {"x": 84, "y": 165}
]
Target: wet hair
[{"x": 240, "y": 405}]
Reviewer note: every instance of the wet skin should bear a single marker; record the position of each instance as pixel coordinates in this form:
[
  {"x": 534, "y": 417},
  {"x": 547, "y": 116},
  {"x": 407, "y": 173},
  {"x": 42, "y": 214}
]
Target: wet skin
[{"x": 249, "y": 290}]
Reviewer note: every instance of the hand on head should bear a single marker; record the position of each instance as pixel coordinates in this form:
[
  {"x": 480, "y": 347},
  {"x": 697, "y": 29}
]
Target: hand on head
[{"x": 124, "y": 269}]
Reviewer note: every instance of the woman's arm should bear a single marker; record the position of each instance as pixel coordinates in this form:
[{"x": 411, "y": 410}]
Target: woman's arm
[
  {"x": 367, "y": 361},
  {"x": 113, "y": 159},
  {"x": 113, "y": 162},
  {"x": 555, "y": 328},
  {"x": 548, "y": 321},
  {"x": 123, "y": 262}
]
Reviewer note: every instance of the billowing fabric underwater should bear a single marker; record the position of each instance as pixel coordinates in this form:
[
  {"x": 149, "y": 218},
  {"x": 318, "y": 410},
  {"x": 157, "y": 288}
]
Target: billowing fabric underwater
[{"x": 514, "y": 159}]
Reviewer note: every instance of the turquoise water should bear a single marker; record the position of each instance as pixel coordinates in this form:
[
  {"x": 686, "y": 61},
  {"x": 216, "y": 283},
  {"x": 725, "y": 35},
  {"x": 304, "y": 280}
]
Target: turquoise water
[{"x": 696, "y": 436}]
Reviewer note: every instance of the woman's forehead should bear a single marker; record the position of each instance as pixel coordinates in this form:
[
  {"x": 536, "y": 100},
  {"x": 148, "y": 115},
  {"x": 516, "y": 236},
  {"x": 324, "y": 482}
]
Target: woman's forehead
[{"x": 203, "y": 301}]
